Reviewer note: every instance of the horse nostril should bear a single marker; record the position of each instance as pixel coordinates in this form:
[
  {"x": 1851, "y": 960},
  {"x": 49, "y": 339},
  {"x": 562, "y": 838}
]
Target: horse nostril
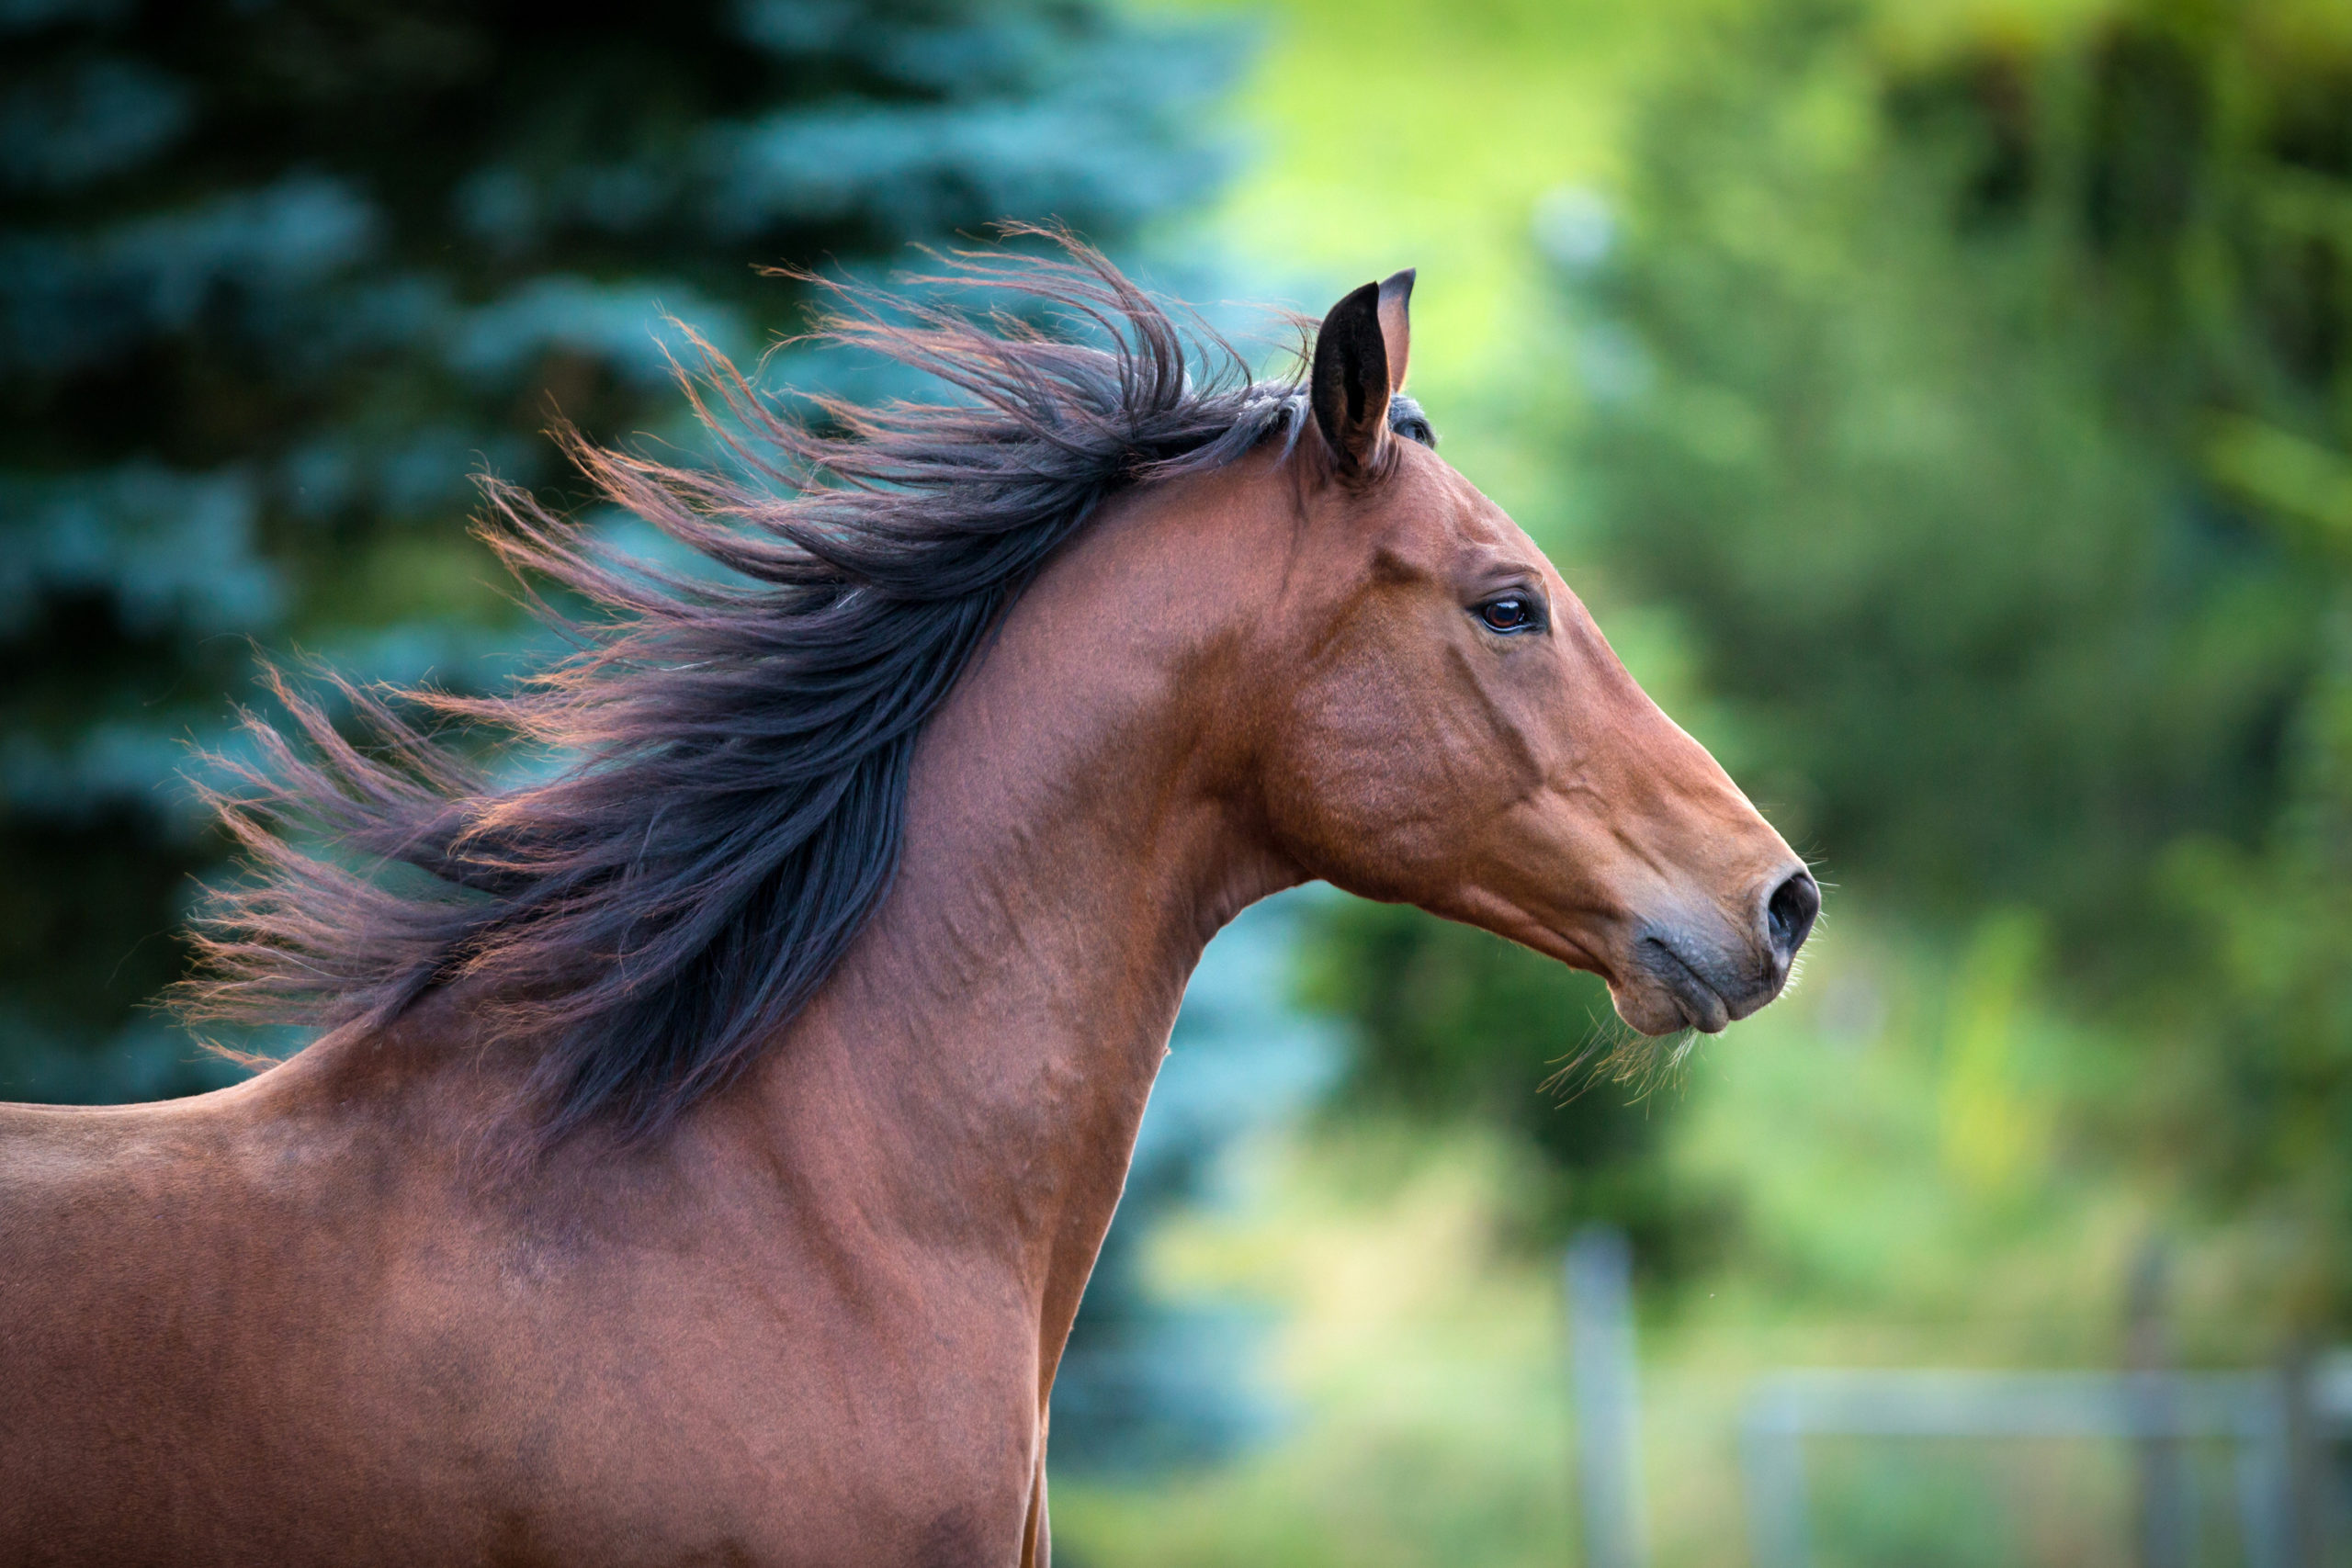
[{"x": 1790, "y": 912}]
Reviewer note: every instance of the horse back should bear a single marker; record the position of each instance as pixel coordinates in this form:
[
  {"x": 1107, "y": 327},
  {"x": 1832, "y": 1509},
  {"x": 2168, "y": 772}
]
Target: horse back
[
  {"x": 283, "y": 1324},
  {"x": 170, "y": 1288}
]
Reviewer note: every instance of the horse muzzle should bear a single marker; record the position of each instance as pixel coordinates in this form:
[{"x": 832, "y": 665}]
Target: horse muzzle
[{"x": 1705, "y": 973}]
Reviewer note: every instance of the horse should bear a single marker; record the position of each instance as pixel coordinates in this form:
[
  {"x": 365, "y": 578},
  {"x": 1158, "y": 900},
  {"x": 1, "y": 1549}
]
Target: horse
[{"x": 715, "y": 1102}]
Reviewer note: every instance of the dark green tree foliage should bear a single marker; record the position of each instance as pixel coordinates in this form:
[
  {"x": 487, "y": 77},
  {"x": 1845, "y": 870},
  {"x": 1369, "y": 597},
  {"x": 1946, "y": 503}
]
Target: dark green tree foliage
[
  {"x": 1986, "y": 407},
  {"x": 276, "y": 279}
]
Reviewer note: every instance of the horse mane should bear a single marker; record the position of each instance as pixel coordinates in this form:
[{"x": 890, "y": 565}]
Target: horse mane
[{"x": 732, "y": 752}]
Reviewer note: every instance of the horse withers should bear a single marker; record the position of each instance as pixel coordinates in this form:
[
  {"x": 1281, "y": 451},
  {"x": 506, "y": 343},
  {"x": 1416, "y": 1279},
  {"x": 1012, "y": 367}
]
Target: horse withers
[{"x": 709, "y": 1131}]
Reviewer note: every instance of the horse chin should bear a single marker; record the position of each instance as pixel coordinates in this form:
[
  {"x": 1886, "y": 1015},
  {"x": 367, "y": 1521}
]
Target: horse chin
[{"x": 1654, "y": 1010}]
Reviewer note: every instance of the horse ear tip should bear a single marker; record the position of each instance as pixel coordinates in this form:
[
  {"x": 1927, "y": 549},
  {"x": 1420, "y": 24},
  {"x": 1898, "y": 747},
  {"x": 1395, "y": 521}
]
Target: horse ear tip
[{"x": 1358, "y": 297}]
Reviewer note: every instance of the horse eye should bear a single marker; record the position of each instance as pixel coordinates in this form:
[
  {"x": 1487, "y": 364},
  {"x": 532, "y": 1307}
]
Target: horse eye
[{"x": 1511, "y": 613}]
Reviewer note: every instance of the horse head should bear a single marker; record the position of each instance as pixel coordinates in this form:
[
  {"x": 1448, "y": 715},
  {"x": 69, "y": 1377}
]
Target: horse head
[{"x": 1453, "y": 731}]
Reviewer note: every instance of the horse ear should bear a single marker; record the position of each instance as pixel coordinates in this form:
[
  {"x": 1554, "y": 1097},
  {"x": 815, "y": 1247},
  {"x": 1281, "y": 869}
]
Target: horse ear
[
  {"x": 1349, "y": 385},
  {"x": 1396, "y": 324}
]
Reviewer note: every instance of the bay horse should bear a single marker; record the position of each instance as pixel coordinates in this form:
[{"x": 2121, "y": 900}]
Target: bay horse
[{"x": 710, "y": 1127}]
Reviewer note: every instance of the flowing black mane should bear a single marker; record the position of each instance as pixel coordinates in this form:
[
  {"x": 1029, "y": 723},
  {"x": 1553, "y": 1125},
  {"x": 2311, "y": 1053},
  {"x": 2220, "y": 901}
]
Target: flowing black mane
[{"x": 736, "y": 749}]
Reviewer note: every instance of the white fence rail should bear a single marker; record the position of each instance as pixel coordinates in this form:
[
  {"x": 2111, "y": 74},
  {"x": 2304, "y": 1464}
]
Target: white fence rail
[
  {"x": 2278, "y": 1426},
  {"x": 2247, "y": 1409}
]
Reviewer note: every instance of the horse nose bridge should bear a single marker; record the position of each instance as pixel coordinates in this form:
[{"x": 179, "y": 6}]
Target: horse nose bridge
[
  {"x": 1719, "y": 845},
  {"x": 1673, "y": 781},
  {"x": 1695, "y": 859}
]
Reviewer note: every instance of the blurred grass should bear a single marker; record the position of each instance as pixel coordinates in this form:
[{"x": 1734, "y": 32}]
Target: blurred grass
[
  {"x": 1420, "y": 1351},
  {"x": 1425, "y": 1418}
]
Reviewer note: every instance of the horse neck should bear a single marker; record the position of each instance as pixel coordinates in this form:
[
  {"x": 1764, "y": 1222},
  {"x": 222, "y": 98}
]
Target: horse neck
[{"x": 977, "y": 1069}]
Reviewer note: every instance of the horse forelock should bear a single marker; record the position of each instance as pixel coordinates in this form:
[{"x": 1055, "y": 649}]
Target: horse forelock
[{"x": 735, "y": 750}]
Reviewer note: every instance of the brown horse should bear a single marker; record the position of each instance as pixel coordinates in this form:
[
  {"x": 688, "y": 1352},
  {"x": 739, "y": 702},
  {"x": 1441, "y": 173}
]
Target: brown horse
[{"x": 714, "y": 1128}]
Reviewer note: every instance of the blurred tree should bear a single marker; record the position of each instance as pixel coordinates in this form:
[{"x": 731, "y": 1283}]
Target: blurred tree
[
  {"x": 1980, "y": 389},
  {"x": 274, "y": 279},
  {"x": 1450, "y": 1023},
  {"x": 1974, "y": 385},
  {"x": 1927, "y": 341}
]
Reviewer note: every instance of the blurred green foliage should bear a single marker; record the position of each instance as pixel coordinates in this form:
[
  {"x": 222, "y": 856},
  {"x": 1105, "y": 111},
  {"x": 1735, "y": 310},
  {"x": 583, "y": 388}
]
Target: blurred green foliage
[
  {"x": 1972, "y": 385},
  {"x": 1994, "y": 387},
  {"x": 1450, "y": 1023},
  {"x": 1929, "y": 336}
]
